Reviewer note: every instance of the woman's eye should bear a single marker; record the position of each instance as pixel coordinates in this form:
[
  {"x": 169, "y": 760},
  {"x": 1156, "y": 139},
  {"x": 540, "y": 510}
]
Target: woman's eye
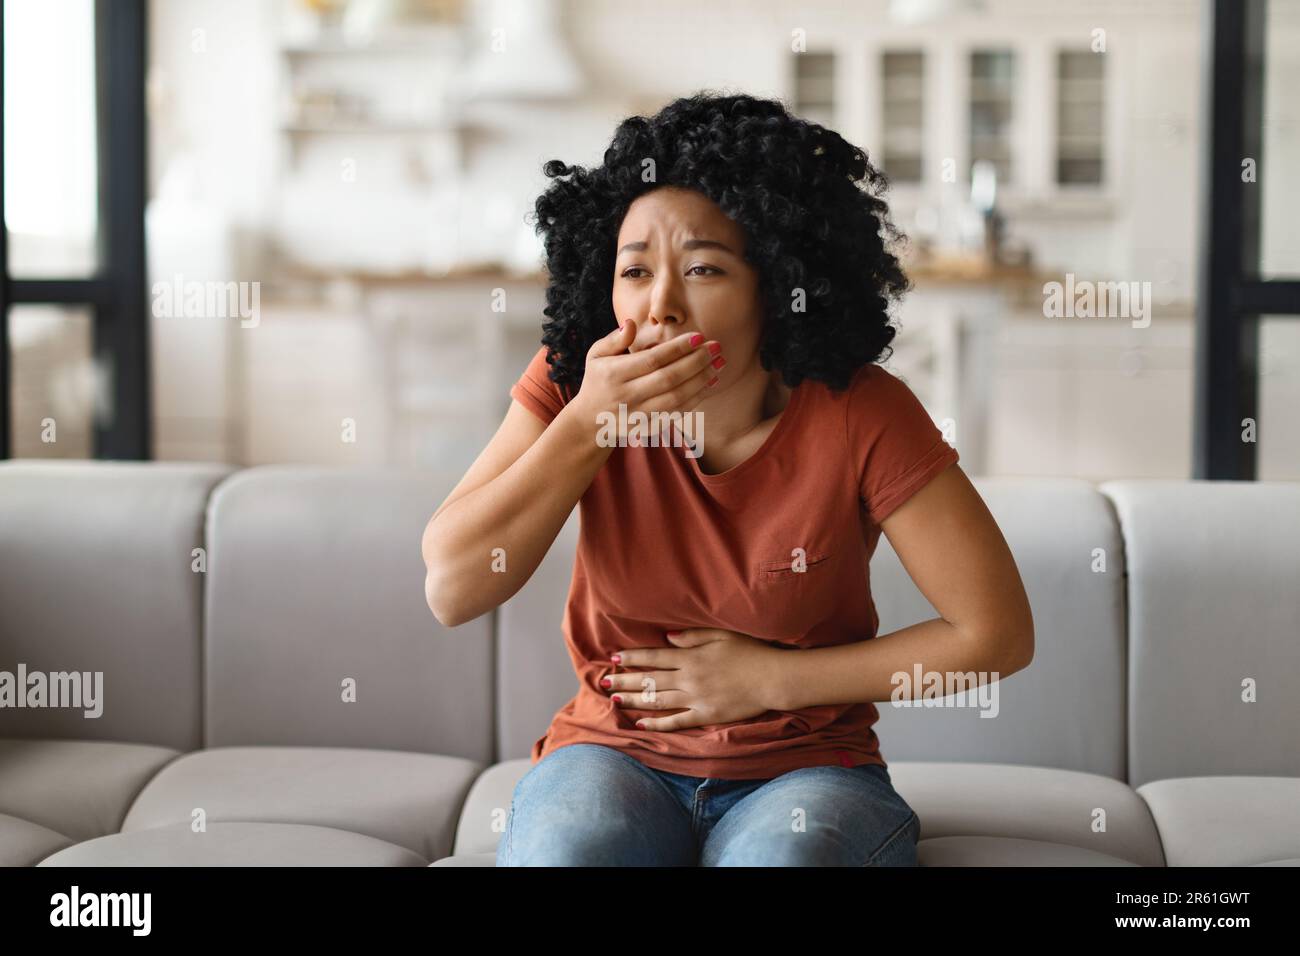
[{"x": 628, "y": 272}]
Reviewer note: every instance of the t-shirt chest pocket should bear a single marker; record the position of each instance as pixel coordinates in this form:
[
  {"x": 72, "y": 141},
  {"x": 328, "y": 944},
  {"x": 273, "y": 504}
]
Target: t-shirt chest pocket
[
  {"x": 799, "y": 563},
  {"x": 795, "y": 592}
]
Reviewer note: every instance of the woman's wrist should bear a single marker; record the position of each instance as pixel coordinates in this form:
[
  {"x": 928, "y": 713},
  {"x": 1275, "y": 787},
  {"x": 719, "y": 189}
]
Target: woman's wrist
[
  {"x": 581, "y": 427},
  {"x": 781, "y": 686}
]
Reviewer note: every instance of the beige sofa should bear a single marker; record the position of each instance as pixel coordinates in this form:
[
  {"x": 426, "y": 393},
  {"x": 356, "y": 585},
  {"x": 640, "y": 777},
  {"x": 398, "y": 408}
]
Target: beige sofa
[{"x": 276, "y": 692}]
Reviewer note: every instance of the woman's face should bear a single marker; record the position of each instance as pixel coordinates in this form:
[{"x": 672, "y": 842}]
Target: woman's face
[{"x": 680, "y": 268}]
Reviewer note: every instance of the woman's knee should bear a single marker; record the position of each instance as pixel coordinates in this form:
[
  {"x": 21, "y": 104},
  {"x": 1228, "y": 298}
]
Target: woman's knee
[
  {"x": 817, "y": 817},
  {"x": 589, "y": 807},
  {"x": 544, "y": 839}
]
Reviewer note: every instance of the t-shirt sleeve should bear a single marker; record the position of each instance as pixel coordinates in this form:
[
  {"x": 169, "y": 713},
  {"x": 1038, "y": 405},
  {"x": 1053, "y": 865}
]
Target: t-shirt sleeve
[
  {"x": 536, "y": 392},
  {"x": 893, "y": 442}
]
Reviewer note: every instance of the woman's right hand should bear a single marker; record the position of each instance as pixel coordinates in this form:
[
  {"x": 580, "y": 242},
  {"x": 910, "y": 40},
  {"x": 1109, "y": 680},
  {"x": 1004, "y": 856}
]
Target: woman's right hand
[{"x": 673, "y": 376}]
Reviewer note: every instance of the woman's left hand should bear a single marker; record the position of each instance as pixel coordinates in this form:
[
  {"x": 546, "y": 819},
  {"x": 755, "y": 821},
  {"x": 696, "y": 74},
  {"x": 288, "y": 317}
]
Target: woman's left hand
[{"x": 717, "y": 675}]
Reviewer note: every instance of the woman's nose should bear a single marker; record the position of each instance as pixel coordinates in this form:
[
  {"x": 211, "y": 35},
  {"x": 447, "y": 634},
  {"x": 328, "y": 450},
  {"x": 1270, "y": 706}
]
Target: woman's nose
[
  {"x": 665, "y": 323},
  {"x": 665, "y": 306}
]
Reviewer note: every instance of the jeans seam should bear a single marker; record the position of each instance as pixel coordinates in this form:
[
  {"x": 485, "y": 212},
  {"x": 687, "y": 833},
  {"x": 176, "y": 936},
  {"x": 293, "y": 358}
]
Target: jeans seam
[
  {"x": 697, "y": 815},
  {"x": 664, "y": 784},
  {"x": 906, "y": 825},
  {"x": 510, "y": 826}
]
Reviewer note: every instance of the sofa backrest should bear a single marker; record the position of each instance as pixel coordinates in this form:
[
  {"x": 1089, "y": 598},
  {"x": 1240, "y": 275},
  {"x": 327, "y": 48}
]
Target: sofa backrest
[
  {"x": 1213, "y": 625},
  {"x": 315, "y": 587},
  {"x": 535, "y": 676},
  {"x": 1066, "y": 710},
  {"x": 96, "y": 576}
]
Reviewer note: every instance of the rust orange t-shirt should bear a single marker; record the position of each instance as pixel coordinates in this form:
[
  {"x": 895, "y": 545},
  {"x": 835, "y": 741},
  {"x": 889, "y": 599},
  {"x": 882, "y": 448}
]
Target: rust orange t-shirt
[{"x": 664, "y": 546}]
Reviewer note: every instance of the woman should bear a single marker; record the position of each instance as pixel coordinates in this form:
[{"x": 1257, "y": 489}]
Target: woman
[{"x": 728, "y": 264}]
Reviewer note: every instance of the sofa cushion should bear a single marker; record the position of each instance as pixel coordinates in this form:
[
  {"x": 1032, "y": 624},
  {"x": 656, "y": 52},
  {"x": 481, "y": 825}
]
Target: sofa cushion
[
  {"x": 1041, "y": 804},
  {"x": 315, "y": 588},
  {"x": 408, "y": 799},
  {"x": 236, "y": 844},
  {"x": 1053, "y": 527},
  {"x": 78, "y": 788},
  {"x": 942, "y": 851},
  {"x": 487, "y": 807},
  {"x": 23, "y": 843},
  {"x": 535, "y": 676},
  {"x": 1008, "y": 851},
  {"x": 1046, "y": 814},
  {"x": 1214, "y": 614},
  {"x": 97, "y": 575},
  {"x": 1227, "y": 821},
  {"x": 467, "y": 859}
]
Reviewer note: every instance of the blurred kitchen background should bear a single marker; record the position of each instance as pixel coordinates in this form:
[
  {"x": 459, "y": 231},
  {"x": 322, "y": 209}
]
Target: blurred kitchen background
[{"x": 370, "y": 165}]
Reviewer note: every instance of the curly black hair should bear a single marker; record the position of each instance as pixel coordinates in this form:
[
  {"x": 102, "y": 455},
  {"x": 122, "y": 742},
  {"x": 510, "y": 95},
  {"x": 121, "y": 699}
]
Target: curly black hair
[{"x": 808, "y": 201}]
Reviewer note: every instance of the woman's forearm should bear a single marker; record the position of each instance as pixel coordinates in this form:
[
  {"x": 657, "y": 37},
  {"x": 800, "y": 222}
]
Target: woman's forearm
[
  {"x": 520, "y": 511},
  {"x": 865, "y": 671}
]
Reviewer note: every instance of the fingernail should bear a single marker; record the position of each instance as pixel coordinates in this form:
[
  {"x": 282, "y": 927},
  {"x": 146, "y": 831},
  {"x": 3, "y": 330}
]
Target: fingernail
[
  {"x": 606, "y": 682},
  {"x": 616, "y": 659},
  {"x": 616, "y": 699},
  {"x": 711, "y": 382},
  {"x": 674, "y": 633},
  {"x": 718, "y": 362},
  {"x": 696, "y": 339},
  {"x": 641, "y": 724},
  {"x": 715, "y": 348}
]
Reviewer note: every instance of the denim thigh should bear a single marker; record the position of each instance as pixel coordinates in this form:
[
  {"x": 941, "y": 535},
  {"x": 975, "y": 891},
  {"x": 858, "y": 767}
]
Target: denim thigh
[
  {"x": 591, "y": 805},
  {"x": 817, "y": 816}
]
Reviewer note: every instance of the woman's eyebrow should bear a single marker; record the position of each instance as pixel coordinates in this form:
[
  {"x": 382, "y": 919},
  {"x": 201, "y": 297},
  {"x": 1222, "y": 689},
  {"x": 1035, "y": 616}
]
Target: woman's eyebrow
[
  {"x": 689, "y": 244},
  {"x": 706, "y": 244}
]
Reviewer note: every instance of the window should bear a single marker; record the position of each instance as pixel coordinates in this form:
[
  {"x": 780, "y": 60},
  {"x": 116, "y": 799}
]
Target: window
[
  {"x": 52, "y": 215},
  {"x": 1080, "y": 109},
  {"x": 902, "y": 90},
  {"x": 992, "y": 83},
  {"x": 814, "y": 87},
  {"x": 54, "y": 385},
  {"x": 73, "y": 314}
]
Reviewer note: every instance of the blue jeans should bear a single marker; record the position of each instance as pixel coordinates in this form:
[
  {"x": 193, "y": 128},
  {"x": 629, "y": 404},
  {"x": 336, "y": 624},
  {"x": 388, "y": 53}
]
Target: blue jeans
[{"x": 592, "y": 805}]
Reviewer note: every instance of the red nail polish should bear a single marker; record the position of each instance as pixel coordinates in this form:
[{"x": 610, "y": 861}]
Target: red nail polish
[
  {"x": 606, "y": 682},
  {"x": 715, "y": 348},
  {"x": 616, "y": 699},
  {"x": 616, "y": 659},
  {"x": 696, "y": 339},
  {"x": 718, "y": 362}
]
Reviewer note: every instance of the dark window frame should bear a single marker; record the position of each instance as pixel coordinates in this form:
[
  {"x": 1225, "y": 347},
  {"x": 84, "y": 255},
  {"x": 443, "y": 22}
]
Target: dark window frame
[
  {"x": 1231, "y": 296},
  {"x": 117, "y": 293}
]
